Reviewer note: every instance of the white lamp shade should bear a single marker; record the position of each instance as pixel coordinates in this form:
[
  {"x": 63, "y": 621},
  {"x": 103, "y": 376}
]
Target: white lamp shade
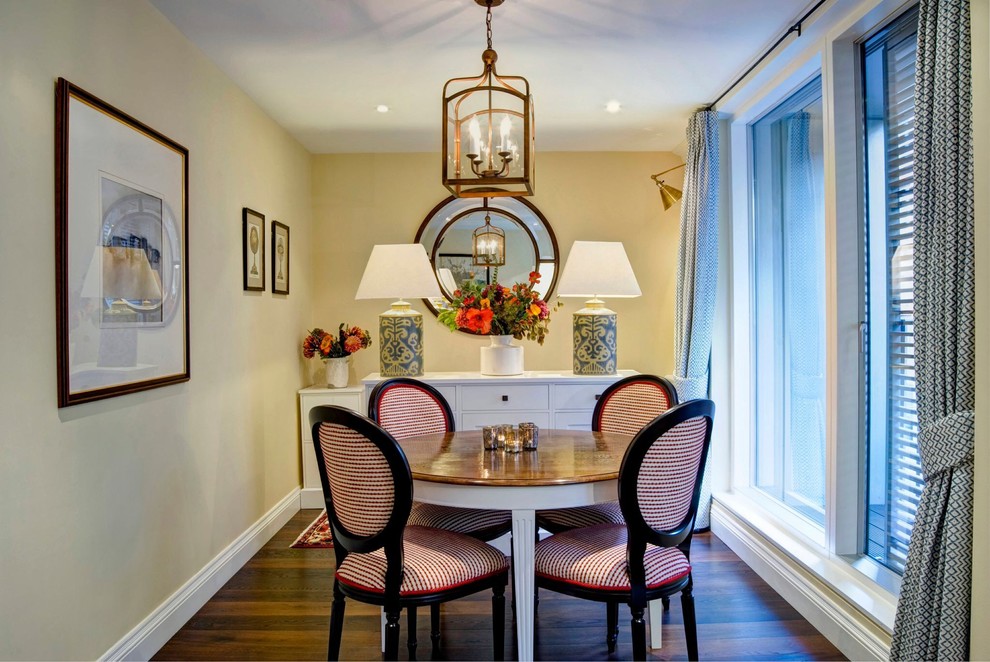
[
  {"x": 398, "y": 271},
  {"x": 598, "y": 269}
]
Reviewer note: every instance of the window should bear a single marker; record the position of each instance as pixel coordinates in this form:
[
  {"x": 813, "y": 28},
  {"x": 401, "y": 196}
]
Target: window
[
  {"x": 894, "y": 480},
  {"x": 789, "y": 302}
]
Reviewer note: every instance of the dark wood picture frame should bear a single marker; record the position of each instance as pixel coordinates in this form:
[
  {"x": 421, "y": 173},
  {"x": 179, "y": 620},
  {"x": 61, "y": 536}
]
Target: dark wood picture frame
[
  {"x": 280, "y": 258},
  {"x": 121, "y": 252},
  {"x": 253, "y": 248}
]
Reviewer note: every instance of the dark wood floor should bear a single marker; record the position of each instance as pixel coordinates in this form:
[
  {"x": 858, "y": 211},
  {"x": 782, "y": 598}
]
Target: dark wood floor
[{"x": 277, "y": 608}]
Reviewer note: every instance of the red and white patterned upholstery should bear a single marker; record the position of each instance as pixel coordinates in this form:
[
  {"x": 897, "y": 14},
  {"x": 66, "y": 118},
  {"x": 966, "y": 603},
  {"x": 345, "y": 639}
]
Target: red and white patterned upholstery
[
  {"x": 406, "y": 410},
  {"x": 360, "y": 479},
  {"x": 626, "y": 410},
  {"x": 433, "y": 561},
  {"x": 562, "y": 519},
  {"x": 473, "y": 521},
  {"x": 595, "y": 557},
  {"x": 666, "y": 479},
  {"x": 629, "y": 408}
]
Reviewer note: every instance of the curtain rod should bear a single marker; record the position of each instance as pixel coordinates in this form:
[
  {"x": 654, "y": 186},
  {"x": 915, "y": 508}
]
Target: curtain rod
[{"x": 794, "y": 28}]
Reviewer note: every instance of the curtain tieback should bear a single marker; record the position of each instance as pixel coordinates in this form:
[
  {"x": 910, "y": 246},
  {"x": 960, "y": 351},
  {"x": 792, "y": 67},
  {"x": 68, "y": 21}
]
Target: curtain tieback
[{"x": 946, "y": 443}]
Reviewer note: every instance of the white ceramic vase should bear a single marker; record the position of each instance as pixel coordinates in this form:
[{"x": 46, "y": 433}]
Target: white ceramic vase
[
  {"x": 337, "y": 372},
  {"x": 501, "y": 357}
]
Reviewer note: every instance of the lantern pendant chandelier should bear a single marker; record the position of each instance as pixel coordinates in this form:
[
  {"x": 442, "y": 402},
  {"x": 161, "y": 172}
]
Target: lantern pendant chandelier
[
  {"x": 488, "y": 243},
  {"x": 488, "y": 132}
]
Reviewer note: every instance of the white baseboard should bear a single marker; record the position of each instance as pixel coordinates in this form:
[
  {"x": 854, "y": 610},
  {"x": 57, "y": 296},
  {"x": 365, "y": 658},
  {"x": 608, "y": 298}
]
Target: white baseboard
[
  {"x": 161, "y": 625},
  {"x": 310, "y": 497},
  {"x": 848, "y": 628}
]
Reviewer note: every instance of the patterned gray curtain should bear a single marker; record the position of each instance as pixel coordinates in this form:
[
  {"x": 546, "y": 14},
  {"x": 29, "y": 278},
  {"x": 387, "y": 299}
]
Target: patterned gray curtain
[
  {"x": 697, "y": 271},
  {"x": 933, "y": 612}
]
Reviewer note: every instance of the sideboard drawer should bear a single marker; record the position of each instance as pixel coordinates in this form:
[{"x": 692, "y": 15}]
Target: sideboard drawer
[
  {"x": 572, "y": 420},
  {"x": 478, "y": 419},
  {"x": 577, "y": 396},
  {"x": 507, "y": 397}
]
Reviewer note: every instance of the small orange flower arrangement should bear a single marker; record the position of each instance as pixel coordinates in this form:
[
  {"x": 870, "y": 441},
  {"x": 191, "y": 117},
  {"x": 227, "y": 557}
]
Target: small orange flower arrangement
[
  {"x": 329, "y": 346},
  {"x": 495, "y": 310}
]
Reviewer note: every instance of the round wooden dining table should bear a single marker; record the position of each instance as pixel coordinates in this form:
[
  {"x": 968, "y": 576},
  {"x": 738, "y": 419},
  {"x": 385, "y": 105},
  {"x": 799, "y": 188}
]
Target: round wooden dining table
[{"x": 569, "y": 468}]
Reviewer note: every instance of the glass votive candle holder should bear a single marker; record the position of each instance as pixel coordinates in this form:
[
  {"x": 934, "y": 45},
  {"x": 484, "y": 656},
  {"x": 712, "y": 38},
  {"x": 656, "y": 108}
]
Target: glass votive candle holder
[
  {"x": 490, "y": 437},
  {"x": 529, "y": 436},
  {"x": 511, "y": 441}
]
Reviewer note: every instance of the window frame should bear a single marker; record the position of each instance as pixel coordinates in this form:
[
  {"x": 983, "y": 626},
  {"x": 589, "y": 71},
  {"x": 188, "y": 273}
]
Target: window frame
[{"x": 835, "y": 554}]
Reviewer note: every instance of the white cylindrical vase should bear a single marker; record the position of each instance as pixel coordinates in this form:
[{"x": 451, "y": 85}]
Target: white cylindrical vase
[
  {"x": 501, "y": 357},
  {"x": 337, "y": 372}
]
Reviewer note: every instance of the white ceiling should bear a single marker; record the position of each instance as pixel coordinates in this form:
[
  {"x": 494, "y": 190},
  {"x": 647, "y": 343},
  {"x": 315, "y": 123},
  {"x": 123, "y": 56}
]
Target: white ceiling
[{"x": 320, "y": 67}]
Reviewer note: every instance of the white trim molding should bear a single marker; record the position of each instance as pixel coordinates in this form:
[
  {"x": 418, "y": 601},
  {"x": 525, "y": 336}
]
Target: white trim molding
[
  {"x": 161, "y": 625},
  {"x": 787, "y": 567}
]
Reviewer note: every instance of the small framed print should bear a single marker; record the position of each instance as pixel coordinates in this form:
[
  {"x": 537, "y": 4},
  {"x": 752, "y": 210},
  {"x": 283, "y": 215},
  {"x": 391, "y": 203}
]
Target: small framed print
[
  {"x": 280, "y": 258},
  {"x": 254, "y": 251}
]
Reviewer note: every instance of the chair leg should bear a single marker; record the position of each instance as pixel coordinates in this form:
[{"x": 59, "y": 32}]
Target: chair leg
[
  {"x": 638, "y": 632},
  {"x": 612, "y": 625},
  {"x": 498, "y": 622},
  {"x": 690, "y": 624},
  {"x": 392, "y": 632},
  {"x": 666, "y": 603},
  {"x": 336, "y": 623},
  {"x": 435, "y": 629},
  {"x": 411, "y": 637}
]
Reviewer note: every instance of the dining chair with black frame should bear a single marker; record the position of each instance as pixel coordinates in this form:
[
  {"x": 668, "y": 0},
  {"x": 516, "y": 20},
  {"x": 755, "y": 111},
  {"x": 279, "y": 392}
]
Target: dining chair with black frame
[
  {"x": 626, "y": 406},
  {"x": 648, "y": 557},
  {"x": 406, "y": 407},
  {"x": 381, "y": 560}
]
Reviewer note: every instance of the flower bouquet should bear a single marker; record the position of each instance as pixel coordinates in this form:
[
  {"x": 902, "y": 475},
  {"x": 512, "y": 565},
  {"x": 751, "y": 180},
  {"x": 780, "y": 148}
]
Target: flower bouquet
[
  {"x": 335, "y": 348},
  {"x": 328, "y": 346},
  {"x": 495, "y": 310}
]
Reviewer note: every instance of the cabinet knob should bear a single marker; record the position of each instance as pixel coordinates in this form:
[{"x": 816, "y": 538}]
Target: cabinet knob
[
  {"x": 597, "y": 395},
  {"x": 505, "y": 398}
]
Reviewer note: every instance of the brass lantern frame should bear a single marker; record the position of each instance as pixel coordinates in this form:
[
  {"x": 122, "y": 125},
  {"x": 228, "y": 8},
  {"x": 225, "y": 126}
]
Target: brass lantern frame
[
  {"x": 488, "y": 243},
  {"x": 487, "y": 175}
]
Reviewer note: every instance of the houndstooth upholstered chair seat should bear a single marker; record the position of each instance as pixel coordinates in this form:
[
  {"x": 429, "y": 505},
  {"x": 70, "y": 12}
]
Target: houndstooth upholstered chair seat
[
  {"x": 626, "y": 406},
  {"x": 647, "y": 557},
  {"x": 368, "y": 490}
]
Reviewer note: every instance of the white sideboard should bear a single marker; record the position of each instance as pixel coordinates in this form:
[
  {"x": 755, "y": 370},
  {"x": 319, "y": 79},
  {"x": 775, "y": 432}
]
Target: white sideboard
[
  {"x": 551, "y": 399},
  {"x": 351, "y": 397}
]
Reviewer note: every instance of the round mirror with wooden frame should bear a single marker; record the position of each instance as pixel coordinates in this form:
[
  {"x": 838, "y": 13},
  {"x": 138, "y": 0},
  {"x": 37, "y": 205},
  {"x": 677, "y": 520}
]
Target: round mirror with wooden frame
[{"x": 530, "y": 245}]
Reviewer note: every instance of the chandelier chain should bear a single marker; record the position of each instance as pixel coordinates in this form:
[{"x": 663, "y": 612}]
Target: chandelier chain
[{"x": 488, "y": 24}]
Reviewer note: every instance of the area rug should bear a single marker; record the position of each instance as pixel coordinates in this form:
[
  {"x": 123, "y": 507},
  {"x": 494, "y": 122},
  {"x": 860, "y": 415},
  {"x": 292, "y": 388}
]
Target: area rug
[{"x": 316, "y": 534}]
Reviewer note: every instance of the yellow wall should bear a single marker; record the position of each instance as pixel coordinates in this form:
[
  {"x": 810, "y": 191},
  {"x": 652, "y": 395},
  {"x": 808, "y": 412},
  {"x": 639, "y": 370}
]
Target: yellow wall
[
  {"x": 107, "y": 508},
  {"x": 360, "y": 200}
]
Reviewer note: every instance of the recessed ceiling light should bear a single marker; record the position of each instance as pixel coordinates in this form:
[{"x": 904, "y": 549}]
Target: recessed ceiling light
[
  {"x": 381, "y": 108},
  {"x": 613, "y": 106}
]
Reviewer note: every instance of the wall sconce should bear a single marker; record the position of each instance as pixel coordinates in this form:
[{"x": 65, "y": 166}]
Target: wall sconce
[{"x": 668, "y": 194}]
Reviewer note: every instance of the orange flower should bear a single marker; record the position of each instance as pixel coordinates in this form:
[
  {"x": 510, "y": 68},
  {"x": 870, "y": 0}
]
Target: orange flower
[
  {"x": 326, "y": 344},
  {"x": 486, "y": 304},
  {"x": 534, "y": 309},
  {"x": 478, "y": 321}
]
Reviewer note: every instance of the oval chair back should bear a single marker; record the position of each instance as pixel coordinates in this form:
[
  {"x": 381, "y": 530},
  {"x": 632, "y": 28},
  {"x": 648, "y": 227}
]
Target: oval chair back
[
  {"x": 367, "y": 484},
  {"x": 660, "y": 477},
  {"x": 627, "y": 405},
  {"x": 406, "y": 407}
]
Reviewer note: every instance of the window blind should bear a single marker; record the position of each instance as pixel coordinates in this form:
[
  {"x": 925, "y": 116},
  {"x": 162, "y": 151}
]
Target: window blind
[{"x": 897, "y": 46}]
